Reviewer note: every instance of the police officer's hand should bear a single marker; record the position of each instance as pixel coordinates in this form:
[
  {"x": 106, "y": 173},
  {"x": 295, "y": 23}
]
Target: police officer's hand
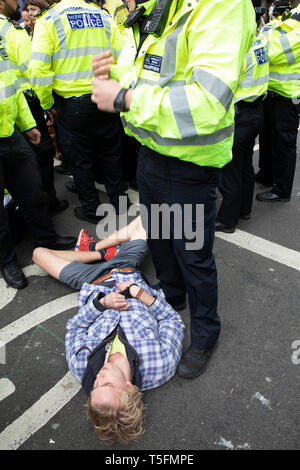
[
  {"x": 101, "y": 65},
  {"x": 104, "y": 94},
  {"x": 33, "y": 136}
]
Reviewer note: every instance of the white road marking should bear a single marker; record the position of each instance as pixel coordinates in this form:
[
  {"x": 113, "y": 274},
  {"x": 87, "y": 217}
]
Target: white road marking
[
  {"x": 8, "y": 293},
  {"x": 263, "y": 247},
  {"x": 37, "y": 316},
  {"x": 256, "y": 147},
  {"x": 39, "y": 414},
  {"x": 6, "y": 388}
]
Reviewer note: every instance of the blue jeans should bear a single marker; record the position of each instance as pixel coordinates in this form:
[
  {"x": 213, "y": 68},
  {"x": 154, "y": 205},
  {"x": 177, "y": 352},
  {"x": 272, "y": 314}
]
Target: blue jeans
[{"x": 168, "y": 180}]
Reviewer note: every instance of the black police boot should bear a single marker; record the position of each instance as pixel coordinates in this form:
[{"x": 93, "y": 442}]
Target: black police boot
[
  {"x": 14, "y": 276},
  {"x": 193, "y": 362}
]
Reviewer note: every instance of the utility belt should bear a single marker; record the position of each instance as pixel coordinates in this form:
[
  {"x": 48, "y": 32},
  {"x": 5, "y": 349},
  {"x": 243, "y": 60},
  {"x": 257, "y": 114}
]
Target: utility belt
[
  {"x": 86, "y": 97},
  {"x": 273, "y": 95},
  {"x": 248, "y": 104},
  {"x": 109, "y": 275}
]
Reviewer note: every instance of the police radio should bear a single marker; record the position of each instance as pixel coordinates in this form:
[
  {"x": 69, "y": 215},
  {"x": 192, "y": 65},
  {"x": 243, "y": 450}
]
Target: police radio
[{"x": 158, "y": 18}]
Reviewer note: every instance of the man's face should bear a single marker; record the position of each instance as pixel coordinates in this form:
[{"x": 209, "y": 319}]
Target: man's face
[
  {"x": 12, "y": 9},
  {"x": 26, "y": 18},
  {"x": 32, "y": 11},
  {"x": 112, "y": 378}
]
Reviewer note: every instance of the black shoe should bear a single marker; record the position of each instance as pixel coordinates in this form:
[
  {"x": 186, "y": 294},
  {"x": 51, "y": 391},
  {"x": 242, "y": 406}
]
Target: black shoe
[
  {"x": 62, "y": 243},
  {"x": 178, "y": 306},
  {"x": 80, "y": 214},
  {"x": 219, "y": 227},
  {"x": 70, "y": 186},
  {"x": 193, "y": 362},
  {"x": 62, "y": 169},
  {"x": 58, "y": 207},
  {"x": 14, "y": 276},
  {"x": 245, "y": 216},
  {"x": 259, "y": 178},
  {"x": 268, "y": 196}
]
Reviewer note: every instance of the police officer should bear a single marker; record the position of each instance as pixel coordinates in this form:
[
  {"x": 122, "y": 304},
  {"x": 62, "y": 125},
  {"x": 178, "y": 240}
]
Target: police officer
[
  {"x": 66, "y": 38},
  {"x": 19, "y": 174},
  {"x": 175, "y": 81},
  {"x": 18, "y": 45},
  {"x": 278, "y": 141},
  {"x": 238, "y": 179}
]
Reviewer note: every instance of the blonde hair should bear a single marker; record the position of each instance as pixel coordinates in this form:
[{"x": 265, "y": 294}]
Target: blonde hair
[{"x": 121, "y": 424}]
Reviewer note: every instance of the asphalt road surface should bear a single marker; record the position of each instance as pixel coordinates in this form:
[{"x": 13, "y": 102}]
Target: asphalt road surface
[{"x": 247, "y": 399}]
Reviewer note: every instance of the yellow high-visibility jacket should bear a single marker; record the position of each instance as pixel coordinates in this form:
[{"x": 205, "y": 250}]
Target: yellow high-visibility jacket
[
  {"x": 184, "y": 81},
  {"x": 255, "y": 73},
  {"x": 284, "y": 52},
  {"x": 14, "y": 109},
  {"x": 66, "y": 38},
  {"x": 17, "y": 46}
]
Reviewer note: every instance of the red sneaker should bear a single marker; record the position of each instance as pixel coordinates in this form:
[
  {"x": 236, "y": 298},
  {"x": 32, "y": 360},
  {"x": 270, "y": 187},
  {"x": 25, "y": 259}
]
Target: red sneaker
[
  {"x": 111, "y": 252},
  {"x": 83, "y": 241}
]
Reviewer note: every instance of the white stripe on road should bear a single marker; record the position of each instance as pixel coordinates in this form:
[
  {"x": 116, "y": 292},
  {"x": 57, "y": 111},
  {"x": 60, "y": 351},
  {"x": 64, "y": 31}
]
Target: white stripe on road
[
  {"x": 8, "y": 293},
  {"x": 263, "y": 247},
  {"x": 6, "y": 388},
  {"x": 37, "y": 316},
  {"x": 39, "y": 414}
]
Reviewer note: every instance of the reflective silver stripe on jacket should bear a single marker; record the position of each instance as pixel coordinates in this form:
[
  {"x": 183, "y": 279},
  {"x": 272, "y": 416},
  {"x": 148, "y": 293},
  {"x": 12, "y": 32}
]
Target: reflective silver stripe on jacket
[
  {"x": 284, "y": 77},
  {"x": 168, "y": 68},
  {"x": 42, "y": 81},
  {"x": 253, "y": 82},
  {"x": 74, "y": 75},
  {"x": 196, "y": 140},
  {"x": 214, "y": 85},
  {"x": 59, "y": 27},
  {"x": 5, "y": 65},
  {"x": 288, "y": 52},
  {"x": 5, "y": 28},
  {"x": 182, "y": 113},
  {"x": 8, "y": 91},
  {"x": 78, "y": 52},
  {"x": 42, "y": 56}
]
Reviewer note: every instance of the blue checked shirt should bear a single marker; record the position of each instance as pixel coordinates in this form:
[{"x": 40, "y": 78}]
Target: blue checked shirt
[{"x": 155, "y": 332}]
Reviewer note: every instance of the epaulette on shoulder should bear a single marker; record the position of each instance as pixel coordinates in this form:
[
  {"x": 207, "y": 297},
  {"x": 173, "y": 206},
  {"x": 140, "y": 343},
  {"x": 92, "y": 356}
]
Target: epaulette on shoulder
[
  {"x": 17, "y": 25},
  {"x": 41, "y": 12}
]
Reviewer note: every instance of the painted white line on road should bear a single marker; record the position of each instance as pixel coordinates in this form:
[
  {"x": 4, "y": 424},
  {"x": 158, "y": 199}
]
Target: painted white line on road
[
  {"x": 256, "y": 147},
  {"x": 8, "y": 293},
  {"x": 6, "y": 388},
  {"x": 37, "y": 316},
  {"x": 39, "y": 414},
  {"x": 263, "y": 247}
]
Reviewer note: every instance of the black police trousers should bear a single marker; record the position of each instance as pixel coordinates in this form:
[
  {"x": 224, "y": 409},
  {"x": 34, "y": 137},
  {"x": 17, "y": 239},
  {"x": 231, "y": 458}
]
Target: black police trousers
[
  {"x": 87, "y": 134},
  {"x": 44, "y": 151},
  {"x": 278, "y": 143},
  {"x": 20, "y": 175},
  {"x": 181, "y": 268},
  {"x": 237, "y": 177}
]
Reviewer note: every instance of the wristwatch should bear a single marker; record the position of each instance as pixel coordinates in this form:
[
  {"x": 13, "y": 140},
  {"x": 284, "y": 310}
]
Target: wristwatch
[{"x": 119, "y": 103}]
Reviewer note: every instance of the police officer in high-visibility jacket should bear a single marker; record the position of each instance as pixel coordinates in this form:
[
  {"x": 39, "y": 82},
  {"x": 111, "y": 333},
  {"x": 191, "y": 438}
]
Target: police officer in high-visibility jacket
[
  {"x": 66, "y": 37},
  {"x": 281, "y": 7},
  {"x": 18, "y": 46},
  {"x": 19, "y": 174},
  {"x": 175, "y": 81},
  {"x": 278, "y": 141},
  {"x": 238, "y": 178}
]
